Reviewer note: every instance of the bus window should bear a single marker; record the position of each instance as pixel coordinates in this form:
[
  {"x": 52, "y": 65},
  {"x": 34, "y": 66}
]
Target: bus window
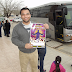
[
  {"x": 69, "y": 18},
  {"x": 50, "y": 15}
]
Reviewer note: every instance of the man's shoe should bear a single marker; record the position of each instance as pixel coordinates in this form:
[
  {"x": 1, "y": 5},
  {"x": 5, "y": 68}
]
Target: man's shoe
[
  {"x": 0, "y": 36},
  {"x": 8, "y": 36},
  {"x": 44, "y": 70}
]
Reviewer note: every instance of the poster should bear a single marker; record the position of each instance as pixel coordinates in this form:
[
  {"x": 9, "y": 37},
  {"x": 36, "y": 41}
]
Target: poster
[{"x": 37, "y": 35}]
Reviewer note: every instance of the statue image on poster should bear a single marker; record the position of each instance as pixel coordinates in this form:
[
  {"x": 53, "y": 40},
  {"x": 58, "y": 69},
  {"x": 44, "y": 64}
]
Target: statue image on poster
[{"x": 37, "y": 35}]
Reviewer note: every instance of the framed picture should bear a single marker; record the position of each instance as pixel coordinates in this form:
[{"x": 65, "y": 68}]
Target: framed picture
[{"x": 38, "y": 35}]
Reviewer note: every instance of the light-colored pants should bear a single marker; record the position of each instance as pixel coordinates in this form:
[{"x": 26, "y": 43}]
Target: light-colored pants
[{"x": 31, "y": 58}]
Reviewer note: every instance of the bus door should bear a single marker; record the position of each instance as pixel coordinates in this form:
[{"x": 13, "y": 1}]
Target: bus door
[{"x": 59, "y": 25}]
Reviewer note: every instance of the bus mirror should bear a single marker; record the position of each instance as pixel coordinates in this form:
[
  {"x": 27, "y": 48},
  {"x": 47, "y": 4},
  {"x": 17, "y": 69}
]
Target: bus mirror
[{"x": 65, "y": 10}]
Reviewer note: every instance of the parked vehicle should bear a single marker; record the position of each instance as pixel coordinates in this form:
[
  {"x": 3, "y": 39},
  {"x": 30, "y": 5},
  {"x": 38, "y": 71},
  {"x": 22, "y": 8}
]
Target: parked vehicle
[
  {"x": 18, "y": 19},
  {"x": 2, "y": 18},
  {"x": 59, "y": 18}
]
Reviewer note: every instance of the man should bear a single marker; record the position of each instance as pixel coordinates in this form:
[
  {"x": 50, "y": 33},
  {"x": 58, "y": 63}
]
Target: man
[
  {"x": 0, "y": 29},
  {"x": 3, "y": 24},
  {"x": 42, "y": 53},
  {"x": 7, "y": 28},
  {"x": 21, "y": 37}
]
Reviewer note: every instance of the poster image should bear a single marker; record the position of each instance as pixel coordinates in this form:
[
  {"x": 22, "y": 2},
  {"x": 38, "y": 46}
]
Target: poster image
[{"x": 37, "y": 35}]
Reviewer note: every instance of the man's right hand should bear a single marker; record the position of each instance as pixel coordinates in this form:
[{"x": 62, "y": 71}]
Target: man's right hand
[{"x": 28, "y": 46}]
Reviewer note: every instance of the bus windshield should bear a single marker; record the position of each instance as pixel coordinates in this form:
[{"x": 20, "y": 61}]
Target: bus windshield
[{"x": 69, "y": 15}]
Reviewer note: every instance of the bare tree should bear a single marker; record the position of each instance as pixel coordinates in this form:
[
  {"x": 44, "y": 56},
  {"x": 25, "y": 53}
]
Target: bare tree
[
  {"x": 16, "y": 12},
  {"x": 7, "y": 6}
]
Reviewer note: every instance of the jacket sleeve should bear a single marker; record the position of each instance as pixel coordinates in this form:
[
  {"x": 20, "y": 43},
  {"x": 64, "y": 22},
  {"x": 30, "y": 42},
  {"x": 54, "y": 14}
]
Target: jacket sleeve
[
  {"x": 62, "y": 68},
  {"x": 15, "y": 39},
  {"x": 52, "y": 68},
  {"x": 48, "y": 35}
]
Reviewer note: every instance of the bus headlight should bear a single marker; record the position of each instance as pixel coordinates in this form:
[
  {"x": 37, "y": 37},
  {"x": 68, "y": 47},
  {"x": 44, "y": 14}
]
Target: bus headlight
[{"x": 68, "y": 35}]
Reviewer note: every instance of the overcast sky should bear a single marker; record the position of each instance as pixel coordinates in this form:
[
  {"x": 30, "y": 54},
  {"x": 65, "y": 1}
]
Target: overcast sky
[{"x": 34, "y": 3}]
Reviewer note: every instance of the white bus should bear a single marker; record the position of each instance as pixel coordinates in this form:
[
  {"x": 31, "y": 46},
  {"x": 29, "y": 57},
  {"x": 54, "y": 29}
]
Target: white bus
[{"x": 59, "y": 18}]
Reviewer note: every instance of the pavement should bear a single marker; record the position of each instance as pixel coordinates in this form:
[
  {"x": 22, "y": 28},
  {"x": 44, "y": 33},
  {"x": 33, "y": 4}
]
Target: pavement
[{"x": 9, "y": 55}]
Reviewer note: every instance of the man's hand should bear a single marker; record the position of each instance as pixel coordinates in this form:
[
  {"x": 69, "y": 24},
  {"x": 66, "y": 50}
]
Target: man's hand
[
  {"x": 28, "y": 46},
  {"x": 46, "y": 26}
]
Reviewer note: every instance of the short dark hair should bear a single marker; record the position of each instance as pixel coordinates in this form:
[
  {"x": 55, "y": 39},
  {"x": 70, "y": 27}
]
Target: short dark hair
[
  {"x": 24, "y": 9},
  {"x": 6, "y": 21}
]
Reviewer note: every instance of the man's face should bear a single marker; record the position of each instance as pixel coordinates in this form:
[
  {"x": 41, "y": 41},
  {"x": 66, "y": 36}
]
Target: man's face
[{"x": 25, "y": 15}]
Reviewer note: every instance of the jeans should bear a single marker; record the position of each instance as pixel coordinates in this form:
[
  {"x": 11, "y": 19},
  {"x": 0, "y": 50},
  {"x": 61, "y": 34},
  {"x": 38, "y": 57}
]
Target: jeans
[
  {"x": 41, "y": 53},
  {"x": 4, "y": 32}
]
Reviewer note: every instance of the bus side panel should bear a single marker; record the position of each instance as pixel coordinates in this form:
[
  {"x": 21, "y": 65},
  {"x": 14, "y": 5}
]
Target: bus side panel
[
  {"x": 39, "y": 20},
  {"x": 51, "y": 30}
]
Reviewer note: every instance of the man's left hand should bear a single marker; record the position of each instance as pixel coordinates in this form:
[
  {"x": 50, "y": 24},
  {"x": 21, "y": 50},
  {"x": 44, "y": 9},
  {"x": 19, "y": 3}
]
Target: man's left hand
[{"x": 46, "y": 26}]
